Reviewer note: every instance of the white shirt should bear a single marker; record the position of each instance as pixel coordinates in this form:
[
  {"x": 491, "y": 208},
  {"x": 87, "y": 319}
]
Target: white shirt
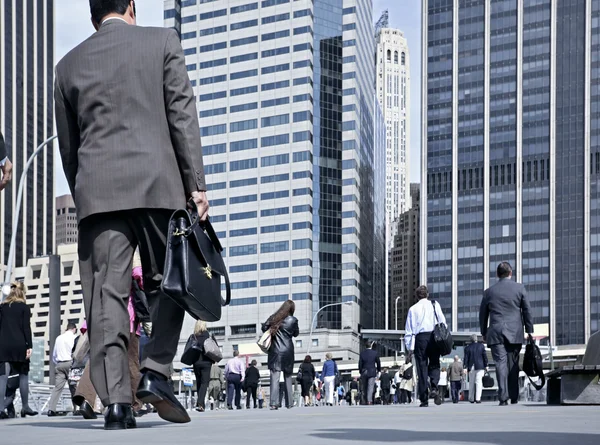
[
  {"x": 63, "y": 347},
  {"x": 443, "y": 379},
  {"x": 421, "y": 318},
  {"x": 3, "y": 161},
  {"x": 114, "y": 18}
]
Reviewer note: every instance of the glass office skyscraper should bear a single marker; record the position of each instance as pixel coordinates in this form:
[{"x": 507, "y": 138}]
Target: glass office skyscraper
[
  {"x": 511, "y": 162},
  {"x": 285, "y": 97},
  {"x": 26, "y": 120}
]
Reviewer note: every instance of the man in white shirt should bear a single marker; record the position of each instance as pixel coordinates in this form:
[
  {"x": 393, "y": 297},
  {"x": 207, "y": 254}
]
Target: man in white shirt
[
  {"x": 5, "y": 165},
  {"x": 62, "y": 358},
  {"x": 422, "y": 318}
]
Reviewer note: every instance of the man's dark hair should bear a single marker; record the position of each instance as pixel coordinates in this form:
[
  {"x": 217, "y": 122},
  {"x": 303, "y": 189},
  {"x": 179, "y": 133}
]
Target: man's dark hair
[
  {"x": 236, "y": 352},
  {"x": 421, "y": 292},
  {"x": 71, "y": 326},
  {"x": 504, "y": 270},
  {"x": 373, "y": 345},
  {"x": 101, "y": 8},
  {"x": 253, "y": 363}
]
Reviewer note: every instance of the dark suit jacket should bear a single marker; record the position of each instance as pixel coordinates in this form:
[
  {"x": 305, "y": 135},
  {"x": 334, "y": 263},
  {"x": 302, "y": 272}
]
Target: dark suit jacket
[
  {"x": 252, "y": 376},
  {"x": 127, "y": 121},
  {"x": 506, "y": 307},
  {"x": 15, "y": 332},
  {"x": 3, "y": 152},
  {"x": 475, "y": 355},
  {"x": 368, "y": 363}
]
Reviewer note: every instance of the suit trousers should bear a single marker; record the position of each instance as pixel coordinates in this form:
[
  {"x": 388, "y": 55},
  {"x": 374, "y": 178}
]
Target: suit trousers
[
  {"x": 202, "y": 380},
  {"x": 475, "y": 384},
  {"x": 506, "y": 358},
  {"x": 368, "y": 389},
  {"x": 427, "y": 356},
  {"x": 275, "y": 398},
  {"x": 61, "y": 374},
  {"x": 455, "y": 387},
  {"x": 107, "y": 242},
  {"x": 234, "y": 388}
]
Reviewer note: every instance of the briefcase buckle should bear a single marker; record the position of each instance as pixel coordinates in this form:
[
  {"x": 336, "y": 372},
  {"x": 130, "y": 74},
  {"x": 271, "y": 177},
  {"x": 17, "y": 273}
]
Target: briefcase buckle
[{"x": 208, "y": 271}]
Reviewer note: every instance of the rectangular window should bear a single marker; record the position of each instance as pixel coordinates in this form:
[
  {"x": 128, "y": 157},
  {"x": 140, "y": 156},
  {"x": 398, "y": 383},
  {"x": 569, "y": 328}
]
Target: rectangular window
[
  {"x": 189, "y": 51},
  {"x": 274, "y": 282},
  {"x": 273, "y": 299},
  {"x": 216, "y": 149},
  {"x": 303, "y": 262},
  {"x": 351, "y": 10},
  {"x": 275, "y": 85},
  {"x": 216, "y": 186},
  {"x": 275, "y": 18},
  {"x": 301, "y": 279},
  {"x": 303, "y": 174},
  {"x": 275, "y": 212},
  {"x": 275, "y": 265},
  {"x": 274, "y": 178},
  {"x": 213, "y": 130},
  {"x": 302, "y": 98},
  {"x": 272, "y": 121},
  {"x": 301, "y": 156},
  {"x": 243, "y": 285},
  {"x": 213, "y": 47},
  {"x": 215, "y": 168},
  {"x": 269, "y": 141},
  {"x": 275, "y": 102},
  {"x": 300, "y": 136},
  {"x": 245, "y": 267},
  {"x": 302, "y": 209},
  {"x": 244, "y": 8},
  {"x": 169, "y": 14},
  {"x": 243, "y": 164},
  {"x": 242, "y": 25},
  {"x": 246, "y": 90},
  {"x": 349, "y": 59},
  {"x": 242, "y": 232},
  {"x": 302, "y": 13},
  {"x": 243, "y": 58},
  {"x": 191, "y": 67},
  {"x": 241, "y": 302},
  {"x": 349, "y": 27},
  {"x": 304, "y": 296},
  {"x": 218, "y": 218},
  {"x": 268, "y": 161},
  {"x": 275, "y": 52},
  {"x": 303, "y": 191},
  {"x": 213, "y": 63},
  {"x": 277, "y": 246},
  {"x": 243, "y": 107},
  {"x": 249, "y": 249},
  {"x": 242, "y": 182},
  {"x": 275, "y": 195},
  {"x": 349, "y": 75},
  {"x": 351, "y": 42},
  {"x": 301, "y": 226},
  {"x": 213, "y": 79},
  {"x": 303, "y": 47},
  {"x": 275, "y": 68},
  {"x": 246, "y": 144},
  {"x": 299, "y": 244},
  {"x": 301, "y": 116},
  {"x": 303, "y": 81},
  {"x": 267, "y": 3},
  {"x": 245, "y": 329},
  {"x": 274, "y": 229},
  {"x": 243, "y": 199},
  {"x": 244, "y": 41},
  {"x": 213, "y": 112},
  {"x": 188, "y": 35},
  {"x": 243, "y": 74},
  {"x": 217, "y": 202},
  {"x": 275, "y": 35},
  {"x": 250, "y": 124},
  {"x": 213, "y": 14},
  {"x": 211, "y": 31},
  {"x": 302, "y": 64},
  {"x": 302, "y": 30}
]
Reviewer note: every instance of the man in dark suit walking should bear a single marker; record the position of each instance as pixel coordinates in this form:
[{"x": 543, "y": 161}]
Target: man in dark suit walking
[
  {"x": 130, "y": 146},
  {"x": 5, "y": 165},
  {"x": 369, "y": 366},
  {"x": 506, "y": 307}
]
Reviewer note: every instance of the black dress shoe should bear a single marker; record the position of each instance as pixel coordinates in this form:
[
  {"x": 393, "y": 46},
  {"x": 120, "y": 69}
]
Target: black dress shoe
[
  {"x": 118, "y": 416},
  {"x": 87, "y": 411},
  {"x": 131, "y": 422},
  {"x": 514, "y": 402},
  {"x": 3, "y": 415},
  {"x": 11, "y": 413},
  {"x": 505, "y": 403},
  {"x": 155, "y": 389},
  {"x": 27, "y": 412},
  {"x": 53, "y": 414}
]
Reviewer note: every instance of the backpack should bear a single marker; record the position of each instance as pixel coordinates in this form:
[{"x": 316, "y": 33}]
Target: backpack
[
  {"x": 407, "y": 374},
  {"x": 532, "y": 363}
]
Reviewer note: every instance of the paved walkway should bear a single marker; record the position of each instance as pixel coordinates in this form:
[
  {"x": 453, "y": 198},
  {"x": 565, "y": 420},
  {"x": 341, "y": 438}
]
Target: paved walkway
[{"x": 527, "y": 424}]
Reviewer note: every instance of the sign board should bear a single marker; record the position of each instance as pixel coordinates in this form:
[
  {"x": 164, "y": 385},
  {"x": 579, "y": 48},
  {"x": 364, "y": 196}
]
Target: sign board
[{"x": 187, "y": 377}]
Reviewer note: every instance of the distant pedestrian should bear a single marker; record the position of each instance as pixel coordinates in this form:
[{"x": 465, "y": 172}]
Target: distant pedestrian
[
  {"x": 420, "y": 322},
  {"x": 252, "y": 382},
  {"x": 308, "y": 377},
  {"x": 283, "y": 327},
  {"x": 386, "y": 386},
  {"x": 15, "y": 347},
  {"x": 354, "y": 391},
  {"x": 407, "y": 384},
  {"x": 261, "y": 397},
  {"x": 369, "y": 366},
  {"x": 476, "y": 363},
  {"x": 455, "y": 375},
  {"x": 61, "y": 356},
  {"x": 443, "y": 384},
  {"x": 215, "y": 385},
  {"x": 506, "y": 307},
  {"x": 202, "y": 366},
  {"x": 341, "y": 393},
  {"x": 235, "y": 372},
  {"x": 328, "y": 376}
]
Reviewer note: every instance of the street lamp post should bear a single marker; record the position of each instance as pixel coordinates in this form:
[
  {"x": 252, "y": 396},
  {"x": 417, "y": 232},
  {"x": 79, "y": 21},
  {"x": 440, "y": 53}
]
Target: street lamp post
[
  {"x": 349, "y": 303},
  {"x": 13, "y": 238},
  {"x": 396, "y": 304}
]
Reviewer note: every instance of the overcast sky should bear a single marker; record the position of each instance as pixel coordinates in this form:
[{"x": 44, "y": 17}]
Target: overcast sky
[{"x": 73, "y": 26}]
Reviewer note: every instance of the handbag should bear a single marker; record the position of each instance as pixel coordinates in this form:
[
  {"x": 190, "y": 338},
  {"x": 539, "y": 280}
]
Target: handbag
[
  {"x": 265, "y": 341},
  {"x": 442, "y": 335},
  {"x": 299, "y": 375},
  {"x": 212, "y": 351},
  {"x": 532, "y": 363},
  {"x": 192, "y": 351},
  {"x": 487, "y": 380},
  {"x": 194, "y": 266}
]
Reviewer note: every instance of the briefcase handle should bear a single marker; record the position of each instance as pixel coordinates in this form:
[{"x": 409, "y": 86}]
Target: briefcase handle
[{"x": 205, "y": 225}]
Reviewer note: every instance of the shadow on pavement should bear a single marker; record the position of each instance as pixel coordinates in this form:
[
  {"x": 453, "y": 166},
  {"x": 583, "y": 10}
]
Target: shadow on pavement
[
  {"x": 491, "y": 437},
  {"x": 83, "y": 425}
]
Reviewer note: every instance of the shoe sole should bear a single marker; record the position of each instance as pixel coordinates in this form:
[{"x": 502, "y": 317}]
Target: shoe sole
[{"x": 166, "y": 410}]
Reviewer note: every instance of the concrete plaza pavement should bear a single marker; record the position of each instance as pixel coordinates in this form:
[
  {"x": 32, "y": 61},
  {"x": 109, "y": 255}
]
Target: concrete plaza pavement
[{"x": 485, "y": 424}]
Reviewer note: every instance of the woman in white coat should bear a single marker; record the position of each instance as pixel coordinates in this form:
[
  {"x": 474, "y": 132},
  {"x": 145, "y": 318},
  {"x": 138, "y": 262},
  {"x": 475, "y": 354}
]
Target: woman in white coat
[{"x": 407, "y": 382}]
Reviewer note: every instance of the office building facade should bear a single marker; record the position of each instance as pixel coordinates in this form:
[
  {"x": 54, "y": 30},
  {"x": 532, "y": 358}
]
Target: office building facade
[
  {"x": 285, "y": 100},
  {"x": 66, "y": 220},
  {"x": 510, "y": 159},
  {"x": 26, "y": 120},
  {"x": 393, "y": 94}
]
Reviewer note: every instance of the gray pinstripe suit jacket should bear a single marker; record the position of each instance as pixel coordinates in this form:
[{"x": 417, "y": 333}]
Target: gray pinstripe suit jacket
[{"x": 127, "y": 121}]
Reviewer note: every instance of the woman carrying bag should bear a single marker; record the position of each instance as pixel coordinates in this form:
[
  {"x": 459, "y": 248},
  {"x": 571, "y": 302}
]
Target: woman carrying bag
[
  {"x": 202, "y": 366},
  {"x": 283, "y": 326}
]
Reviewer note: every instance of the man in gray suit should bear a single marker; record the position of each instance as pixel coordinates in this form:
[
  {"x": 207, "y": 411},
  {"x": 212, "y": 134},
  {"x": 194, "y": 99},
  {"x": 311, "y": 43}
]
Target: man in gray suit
[
  {"x": 5, "y": 165},
  {"x": 130, "y": 145},
  {"x": 506, "y": 307}
]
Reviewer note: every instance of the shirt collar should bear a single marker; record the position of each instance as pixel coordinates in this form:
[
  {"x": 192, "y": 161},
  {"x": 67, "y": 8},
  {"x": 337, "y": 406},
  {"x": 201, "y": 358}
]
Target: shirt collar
[{"x": 114, "y": 18}]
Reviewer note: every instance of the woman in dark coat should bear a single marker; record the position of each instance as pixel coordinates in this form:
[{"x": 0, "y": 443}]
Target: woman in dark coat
[
  {"x": 284, "y": 327},
  {"x": 15, "y": 345},
  {"x": 308, "y": 378},
  {"x": 202, "y": 366}
]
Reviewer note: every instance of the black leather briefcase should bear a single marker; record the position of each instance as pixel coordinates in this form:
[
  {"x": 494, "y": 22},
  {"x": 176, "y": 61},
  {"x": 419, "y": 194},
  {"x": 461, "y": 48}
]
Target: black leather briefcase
[{"x": 194, "y": 267}]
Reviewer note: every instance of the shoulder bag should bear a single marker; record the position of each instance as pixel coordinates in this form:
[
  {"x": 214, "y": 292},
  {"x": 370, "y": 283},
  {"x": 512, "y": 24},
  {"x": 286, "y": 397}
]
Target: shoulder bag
[
  {"x": 442, "y": 335},
  {"x": 265, "y": 341},
  {"x": 299, "y": 375},
  {"x": 192, "y": 351},
  {"x": 532, "y": 363},
  {"x": 194, "y": 266},
  {"x": 487, "y": 381},
  {"x": 212, "y": 351}
]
